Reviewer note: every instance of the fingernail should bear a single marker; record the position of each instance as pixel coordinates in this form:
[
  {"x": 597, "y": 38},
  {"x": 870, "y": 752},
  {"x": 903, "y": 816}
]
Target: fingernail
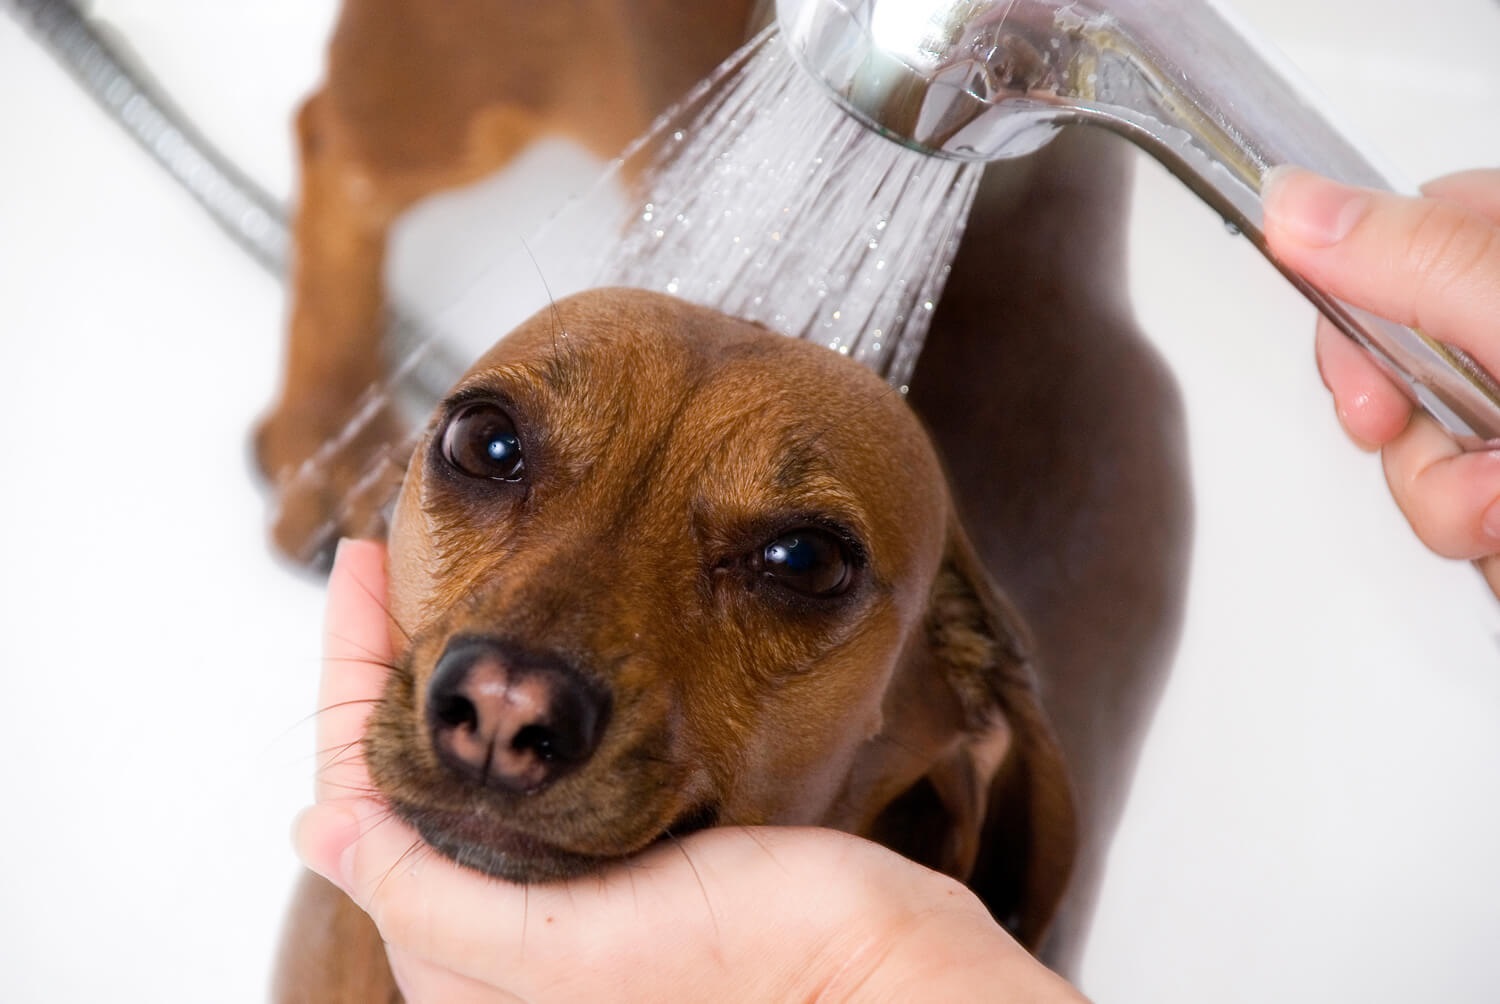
[{"x": 1309, "y": 207}]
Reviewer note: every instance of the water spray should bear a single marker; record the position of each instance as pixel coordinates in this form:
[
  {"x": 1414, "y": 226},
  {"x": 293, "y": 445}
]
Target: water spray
[{"x": 984, "y": 80}]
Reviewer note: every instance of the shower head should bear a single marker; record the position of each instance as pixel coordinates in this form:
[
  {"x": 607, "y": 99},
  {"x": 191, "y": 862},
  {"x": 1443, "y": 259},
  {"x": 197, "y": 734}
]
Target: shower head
[{"x": 990, "y": 79}]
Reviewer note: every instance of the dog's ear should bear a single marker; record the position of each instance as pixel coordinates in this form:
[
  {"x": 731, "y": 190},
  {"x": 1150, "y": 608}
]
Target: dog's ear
[{"x": 993, "y": 806}]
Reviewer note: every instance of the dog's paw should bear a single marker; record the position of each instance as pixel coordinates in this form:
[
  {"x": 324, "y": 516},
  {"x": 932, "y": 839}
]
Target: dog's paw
[{"x": 329, "y": 479}]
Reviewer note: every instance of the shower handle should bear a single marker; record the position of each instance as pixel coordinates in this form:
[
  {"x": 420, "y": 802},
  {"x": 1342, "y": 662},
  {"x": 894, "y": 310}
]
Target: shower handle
[{"x": 991, "y": 79}]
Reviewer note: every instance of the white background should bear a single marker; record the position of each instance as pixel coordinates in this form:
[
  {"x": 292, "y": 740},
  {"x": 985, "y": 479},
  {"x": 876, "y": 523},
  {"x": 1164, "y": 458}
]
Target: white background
[{"x": 1316, "y": 814}]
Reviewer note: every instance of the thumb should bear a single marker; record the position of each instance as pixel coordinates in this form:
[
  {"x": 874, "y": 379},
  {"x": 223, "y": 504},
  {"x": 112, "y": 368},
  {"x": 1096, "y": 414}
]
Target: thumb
[{"x": 1428, "y": 263}]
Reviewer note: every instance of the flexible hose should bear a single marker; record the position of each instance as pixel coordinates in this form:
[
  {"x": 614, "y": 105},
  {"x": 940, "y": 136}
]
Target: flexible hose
[
  {"x": 250, "y": 215},
  {"x": 240, "y": 207}
]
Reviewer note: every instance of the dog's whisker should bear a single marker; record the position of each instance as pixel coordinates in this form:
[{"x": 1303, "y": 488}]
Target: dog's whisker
[
  {"x": 337, "y": 765},
  {"x": 329, "y": 753},
  {"x": 386, "y": 609},
  {"x": 320, "y": 712},
  {"x": 556, "y": 317},
  {"x": 389, "y": 666},
  {"x": 729, "y": 822},
  {"x": 635, "y": 892},
  {"x": 416, "y": 847},
  {"x": 352, "y": 794},
  {"x": 698, "y": 877},
  {"x": 354, "y": 788},
  {"x": 525, "y": 916},
  {"x": 369, "y": 655}
]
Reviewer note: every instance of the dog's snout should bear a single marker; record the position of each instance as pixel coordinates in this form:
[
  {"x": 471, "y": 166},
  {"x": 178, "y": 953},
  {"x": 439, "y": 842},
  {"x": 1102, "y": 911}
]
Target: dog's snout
[{"x": 512, "y": 720}]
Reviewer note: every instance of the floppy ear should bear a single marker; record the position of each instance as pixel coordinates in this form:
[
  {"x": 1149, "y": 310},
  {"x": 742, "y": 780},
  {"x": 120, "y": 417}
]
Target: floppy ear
[{"x": 993, "y": 805}]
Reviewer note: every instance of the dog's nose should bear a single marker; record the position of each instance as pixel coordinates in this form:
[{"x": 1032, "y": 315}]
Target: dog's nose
[{"x": 510, "y": 719}]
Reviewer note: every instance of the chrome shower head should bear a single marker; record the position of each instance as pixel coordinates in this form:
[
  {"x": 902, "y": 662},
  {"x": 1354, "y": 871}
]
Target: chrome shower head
[{"x": 991, "y": 79}]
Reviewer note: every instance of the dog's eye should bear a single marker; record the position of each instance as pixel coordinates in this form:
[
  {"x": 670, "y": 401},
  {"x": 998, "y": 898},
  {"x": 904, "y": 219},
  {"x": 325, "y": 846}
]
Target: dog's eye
[
  {"x": 481, "y": 441},
  {"x": 811, "y": 562}
]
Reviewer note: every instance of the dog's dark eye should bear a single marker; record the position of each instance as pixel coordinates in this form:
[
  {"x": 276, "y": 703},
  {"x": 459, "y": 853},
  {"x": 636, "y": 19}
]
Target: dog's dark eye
[
  {"x": 481, "y": 441},
  {"x": 811, "y": 562}
]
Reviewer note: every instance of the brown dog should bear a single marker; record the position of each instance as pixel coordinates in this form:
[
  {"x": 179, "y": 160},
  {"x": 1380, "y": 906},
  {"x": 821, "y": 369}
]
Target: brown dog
[
  {"x": 656, "y": 569},
  {"x": 1061, "y": 432}
]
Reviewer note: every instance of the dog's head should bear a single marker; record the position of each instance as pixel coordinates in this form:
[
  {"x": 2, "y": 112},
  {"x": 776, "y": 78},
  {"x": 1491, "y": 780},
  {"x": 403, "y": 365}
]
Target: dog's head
[{"x": 656, "y": 569}]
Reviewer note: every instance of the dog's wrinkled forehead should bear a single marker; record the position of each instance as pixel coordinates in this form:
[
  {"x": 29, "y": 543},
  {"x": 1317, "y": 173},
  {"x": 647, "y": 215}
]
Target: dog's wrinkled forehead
[
  {"x": 626, "y": 393},
  {"x": 653, "y": 443}
]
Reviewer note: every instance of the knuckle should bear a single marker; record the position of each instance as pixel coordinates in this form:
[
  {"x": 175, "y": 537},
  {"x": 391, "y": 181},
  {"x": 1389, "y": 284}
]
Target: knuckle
[
  {"x": 1448, "y": 244},
  {"x": 1431, "y": 497},
  {"x": 1412, "y": 483}
]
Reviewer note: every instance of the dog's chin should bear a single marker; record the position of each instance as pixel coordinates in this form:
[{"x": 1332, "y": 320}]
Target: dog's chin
[{"x": 480, "y": 845}]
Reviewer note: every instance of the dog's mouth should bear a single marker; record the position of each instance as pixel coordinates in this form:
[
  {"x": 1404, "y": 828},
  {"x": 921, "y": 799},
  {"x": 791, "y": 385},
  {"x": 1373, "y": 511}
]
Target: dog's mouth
[{"x": 484, "y": 845}]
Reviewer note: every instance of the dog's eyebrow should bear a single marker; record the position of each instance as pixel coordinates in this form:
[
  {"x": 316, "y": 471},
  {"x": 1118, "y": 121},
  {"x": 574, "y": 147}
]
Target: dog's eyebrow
[
  {"x": 806, "y": 477},
  {"x": 799, "y": 462}
]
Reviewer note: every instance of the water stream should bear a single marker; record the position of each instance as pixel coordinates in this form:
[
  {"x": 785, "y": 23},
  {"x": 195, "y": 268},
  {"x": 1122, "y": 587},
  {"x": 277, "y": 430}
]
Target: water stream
[
  {"x": 758, "y": 196},
  {"x": 765, "y": 200}
]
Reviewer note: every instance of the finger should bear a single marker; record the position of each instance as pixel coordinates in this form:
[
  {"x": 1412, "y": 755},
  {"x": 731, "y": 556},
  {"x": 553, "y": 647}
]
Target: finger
[
  {"x": 1369, "y": 406},
  {"x": 524, "y": 938},
  {"x": 1478, "y": 190},
  {"x": 1426, "y": 263},
  {"x": 323, "y": 834},
  {"x": 356, "y": 653},
  {"x": 560, "y": 940},
  {"x": 1451, "y": 498}
]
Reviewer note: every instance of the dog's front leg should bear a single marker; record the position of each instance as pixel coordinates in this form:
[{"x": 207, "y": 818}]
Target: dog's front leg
[
  {"x": 333, "y": 353},
  {"x": 331, "y": 952}
]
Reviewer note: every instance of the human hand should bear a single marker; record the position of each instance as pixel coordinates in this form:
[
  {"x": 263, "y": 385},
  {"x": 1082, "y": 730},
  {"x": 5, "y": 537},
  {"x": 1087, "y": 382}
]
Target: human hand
[
  {"x": 1431, "y": 263},
  {"x": 728, "y": 913}
]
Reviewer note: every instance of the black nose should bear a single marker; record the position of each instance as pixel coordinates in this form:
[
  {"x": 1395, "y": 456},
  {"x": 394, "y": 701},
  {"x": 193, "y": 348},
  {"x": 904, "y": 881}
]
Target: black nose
[{"x": 510, "y": 719}]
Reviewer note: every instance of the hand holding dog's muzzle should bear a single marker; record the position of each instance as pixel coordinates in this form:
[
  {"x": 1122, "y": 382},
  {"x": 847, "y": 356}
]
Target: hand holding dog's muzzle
[{"x": 728, "y": 913}]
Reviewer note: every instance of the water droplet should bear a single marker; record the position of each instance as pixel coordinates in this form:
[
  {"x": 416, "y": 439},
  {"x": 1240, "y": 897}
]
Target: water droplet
[
  {"x": 1234, "y": 230},
  {"x": 678, "y": 135}
]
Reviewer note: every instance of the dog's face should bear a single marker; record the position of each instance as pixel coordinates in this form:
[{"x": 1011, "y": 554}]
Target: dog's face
[{"x": 656, "y": 569}]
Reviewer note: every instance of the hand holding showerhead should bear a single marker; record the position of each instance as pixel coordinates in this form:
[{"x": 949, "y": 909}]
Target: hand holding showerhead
[
  {"x": 1435, "y": 261},
  {"x": 991, "y": 79}
]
